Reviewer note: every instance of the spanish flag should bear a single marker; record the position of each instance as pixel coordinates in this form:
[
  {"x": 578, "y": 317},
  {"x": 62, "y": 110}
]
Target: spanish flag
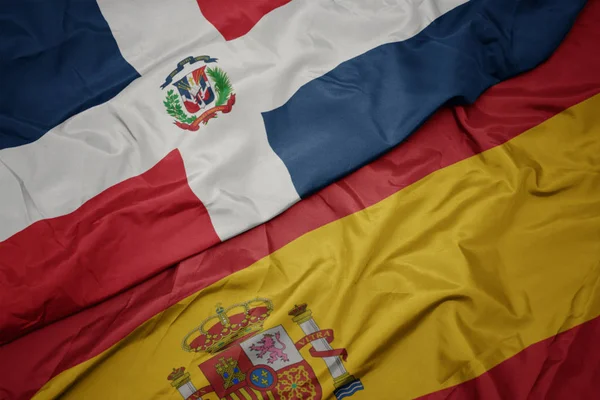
[{"x": 463, "y": 263}]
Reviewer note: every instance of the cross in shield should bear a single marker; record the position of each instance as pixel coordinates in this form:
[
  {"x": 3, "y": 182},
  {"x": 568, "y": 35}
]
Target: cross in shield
[{"x": 195, "y": 90}]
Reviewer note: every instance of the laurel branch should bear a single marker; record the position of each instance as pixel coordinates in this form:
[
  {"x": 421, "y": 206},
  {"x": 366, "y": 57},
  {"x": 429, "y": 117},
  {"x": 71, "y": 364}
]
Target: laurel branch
[{"x": 175, "y": 109}]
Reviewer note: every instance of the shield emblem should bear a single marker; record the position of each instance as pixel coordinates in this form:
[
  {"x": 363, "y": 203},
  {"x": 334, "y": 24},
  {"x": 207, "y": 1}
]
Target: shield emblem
[
  {"x": 264, "y": 366},
  {"x": 195, "y": 90}
]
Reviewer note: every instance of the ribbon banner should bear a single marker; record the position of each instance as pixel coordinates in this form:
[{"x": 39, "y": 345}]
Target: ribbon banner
[
  {"x": 208, "y": 114},
  {"x": 204, "y": 390},
  {"x": 327, "y": 335},
  {"x": 197, "y": 395},
  {"x": 189, "y": 60}
]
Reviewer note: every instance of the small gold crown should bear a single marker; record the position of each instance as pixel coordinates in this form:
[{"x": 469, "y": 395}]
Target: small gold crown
[
  {"x": 176, "y": 373},
  {"x": 297, "y": 310},
  {"x": 228, "y": 325}
]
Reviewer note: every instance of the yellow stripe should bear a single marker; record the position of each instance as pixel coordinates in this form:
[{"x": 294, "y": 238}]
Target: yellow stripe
[
  {"x": 234, "y": 396},
  {"x": 258, "y": 394},
  {"x": 245, "y": 394},
  {"x": 270, "y": 394},
  {"x": 428, "y": 288}
]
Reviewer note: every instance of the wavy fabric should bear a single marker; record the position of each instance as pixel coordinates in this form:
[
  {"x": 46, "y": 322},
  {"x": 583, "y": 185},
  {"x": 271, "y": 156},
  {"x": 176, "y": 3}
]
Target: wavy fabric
[
  {"x": 50, "y": 185},
  {"x": 565, "y": 366},
  {"x": 437, "y": 270},
  {"x": 234, "y": 18},
  {"x": 229, "y": 166},
  {"x": 56, "y": 60},
  {"x": 426, "y": 289},
  {"x": 92, "y": 244},
  {"x": 452, "y": 134},
  {"x": 366, "y": 105}
]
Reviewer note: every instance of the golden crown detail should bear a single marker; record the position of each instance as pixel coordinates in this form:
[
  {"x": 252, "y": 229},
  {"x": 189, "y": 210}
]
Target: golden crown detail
[
  {"x": 298, "y": 310},
  {"x": 228, "y": 325},
  {"x": 176, "y": 374}
]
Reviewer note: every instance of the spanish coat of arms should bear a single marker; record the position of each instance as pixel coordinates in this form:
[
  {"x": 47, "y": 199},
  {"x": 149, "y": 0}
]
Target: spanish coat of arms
[
  {"x": 196, "y": 92},
  {"x": 251, "y": 363}
]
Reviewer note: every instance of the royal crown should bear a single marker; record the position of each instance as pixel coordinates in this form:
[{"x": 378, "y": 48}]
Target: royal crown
[
  {"x": 176, "y": 373},
  {"x": 179, "y": 377},
  {"x": 300, "y": 313},
  {"x": 228, "y": 325},
  {"x": 298, "y": 310}
]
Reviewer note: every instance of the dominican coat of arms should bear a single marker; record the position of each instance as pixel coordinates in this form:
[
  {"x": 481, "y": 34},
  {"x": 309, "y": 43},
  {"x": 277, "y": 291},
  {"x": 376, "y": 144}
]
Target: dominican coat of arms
[
  {"x": 196, "y": 92},
  {"x": 251, "y": 363}
]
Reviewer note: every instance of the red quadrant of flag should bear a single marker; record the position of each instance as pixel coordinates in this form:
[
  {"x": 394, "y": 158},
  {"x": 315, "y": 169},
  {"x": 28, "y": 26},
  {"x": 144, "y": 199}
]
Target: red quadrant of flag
[
  {"x": 235, "y": 18},
  {"x": 148, "y": 222}
]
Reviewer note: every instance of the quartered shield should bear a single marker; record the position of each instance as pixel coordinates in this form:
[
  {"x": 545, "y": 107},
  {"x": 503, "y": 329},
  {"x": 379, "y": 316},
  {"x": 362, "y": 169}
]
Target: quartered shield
[
  {"x": 195, "y": 90},
  {"x": 264, "y": 366}
]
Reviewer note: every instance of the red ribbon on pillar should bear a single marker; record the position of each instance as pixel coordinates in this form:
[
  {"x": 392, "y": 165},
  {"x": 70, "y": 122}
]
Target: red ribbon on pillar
[
  {"x": 200, "y": 392},
  {"x": 326, "y": 334}
]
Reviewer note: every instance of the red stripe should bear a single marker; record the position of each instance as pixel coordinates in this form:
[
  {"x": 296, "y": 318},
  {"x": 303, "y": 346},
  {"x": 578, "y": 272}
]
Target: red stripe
[
  {"x": 116, "y": 240},
  {"x": 250, "y": 393},
  {"x": 235, "y": 18},
  {"x": 566, "y": 366},
  {"x": 503, "y": 112}
]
